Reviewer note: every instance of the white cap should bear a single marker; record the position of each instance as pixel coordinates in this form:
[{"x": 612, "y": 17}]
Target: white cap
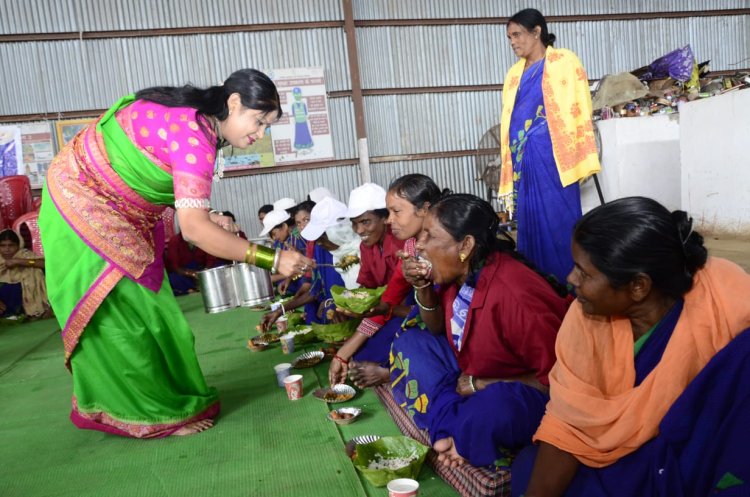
[
  {"x": 319, "y": 194},
  {"x": 367, "y": 197},
  {"x": 284, "y": 203},
  {"x": 273, "y": 219},
  {"x": 326, "y": 213}
]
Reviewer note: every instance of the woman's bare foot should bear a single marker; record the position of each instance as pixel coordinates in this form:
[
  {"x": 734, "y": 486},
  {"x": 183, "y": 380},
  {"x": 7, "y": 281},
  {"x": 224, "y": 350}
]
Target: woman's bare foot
[
  {"x": 368, "y": 374},
  {"x": 195, "y": 427},
  {"x": 447, "y": 453}
]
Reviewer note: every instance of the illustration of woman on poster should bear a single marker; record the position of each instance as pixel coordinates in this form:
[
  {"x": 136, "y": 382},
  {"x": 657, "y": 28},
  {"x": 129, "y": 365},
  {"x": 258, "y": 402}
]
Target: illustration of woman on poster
[
  {"x": 303, "y": 141},
  {"x": 8, "y": 153}
]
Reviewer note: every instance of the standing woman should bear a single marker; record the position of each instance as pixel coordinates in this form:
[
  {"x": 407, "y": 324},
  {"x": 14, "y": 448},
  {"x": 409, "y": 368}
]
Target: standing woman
[
  {"x": 127, "y": 344},
  {"x": 547, "y": 142}
]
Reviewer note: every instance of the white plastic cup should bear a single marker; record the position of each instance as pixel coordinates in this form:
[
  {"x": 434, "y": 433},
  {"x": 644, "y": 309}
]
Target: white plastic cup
[
  {"x": 287, "y": 343},
  {"x": 403, "y": 487},
  {"x": 282, "y": 371}
]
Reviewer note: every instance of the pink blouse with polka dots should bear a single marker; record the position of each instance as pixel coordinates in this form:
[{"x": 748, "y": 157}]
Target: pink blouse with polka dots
[{"x": 173, "y": 139}]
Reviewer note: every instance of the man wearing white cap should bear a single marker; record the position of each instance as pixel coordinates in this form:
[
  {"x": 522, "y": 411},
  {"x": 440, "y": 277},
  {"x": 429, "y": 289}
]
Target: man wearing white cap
[
  {"x": 330, "y": 228},
  {"x": 278, "y": 225},
  {"x": 378, "y": 247},
  {"x": 272, "y": 224}
]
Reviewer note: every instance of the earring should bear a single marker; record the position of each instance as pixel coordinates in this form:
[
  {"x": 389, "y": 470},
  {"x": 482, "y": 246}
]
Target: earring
[
  {"x": 462, "y": 257},
  {"x": 230, "y": 112}
]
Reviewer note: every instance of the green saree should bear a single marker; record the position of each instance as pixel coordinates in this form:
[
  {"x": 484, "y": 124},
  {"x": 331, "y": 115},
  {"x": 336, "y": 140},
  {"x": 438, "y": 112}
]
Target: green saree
[{"x": 127, "y": 344}]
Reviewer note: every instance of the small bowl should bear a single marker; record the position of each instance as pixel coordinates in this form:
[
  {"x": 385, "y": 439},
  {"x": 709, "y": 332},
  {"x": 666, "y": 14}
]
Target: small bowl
[
  {"x": 354, "y": 412},
  {"x": 351, "y": 445},
  {"x": 335, "y": 394},
  {"x": 256, "y": 345},
  {"x": 308, "y": 359}
]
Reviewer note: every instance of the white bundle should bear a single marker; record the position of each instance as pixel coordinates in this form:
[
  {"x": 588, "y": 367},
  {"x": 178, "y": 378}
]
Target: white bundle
[{"x": 393, "y": 463}]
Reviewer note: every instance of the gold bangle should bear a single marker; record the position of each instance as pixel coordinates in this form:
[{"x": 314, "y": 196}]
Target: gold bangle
[
  {"x": 264, "y": 257},
  {"x": 32, "y": 262},
  {"x": 250, "y": 254}
]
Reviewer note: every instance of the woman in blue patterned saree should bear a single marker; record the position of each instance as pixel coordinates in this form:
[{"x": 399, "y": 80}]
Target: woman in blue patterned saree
[{"x": 547, "y": 142}]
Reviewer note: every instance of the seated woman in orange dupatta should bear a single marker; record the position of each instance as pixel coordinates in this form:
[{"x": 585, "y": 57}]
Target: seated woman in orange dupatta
[{"x": 649, "y": 393}]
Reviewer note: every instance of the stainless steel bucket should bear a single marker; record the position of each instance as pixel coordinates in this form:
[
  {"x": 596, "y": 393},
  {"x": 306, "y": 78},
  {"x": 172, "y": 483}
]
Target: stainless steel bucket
[
  {"x": 253, "y": 285},
  {"x": 218, "y": 289}
]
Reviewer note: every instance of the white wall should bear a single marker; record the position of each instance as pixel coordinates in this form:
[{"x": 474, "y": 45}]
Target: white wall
[
  {"x": 640, "y": 156},
  {"x": 715, "y": 147}
]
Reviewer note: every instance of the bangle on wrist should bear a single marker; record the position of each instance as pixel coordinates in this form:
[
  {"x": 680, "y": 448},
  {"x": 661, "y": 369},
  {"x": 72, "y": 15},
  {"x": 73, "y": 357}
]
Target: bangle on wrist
[
  {"x": 341, "y": 359},
  {"x": 264, "y": 257},
  {"x": 32, "y": 262},
  {"x": 423, "y": 286},
  {"x": 250, "y": 254},
  {"x": 276, "y": 260},
  {"x": 423, "y": 307},
  {"x": 471, "y": 384}
]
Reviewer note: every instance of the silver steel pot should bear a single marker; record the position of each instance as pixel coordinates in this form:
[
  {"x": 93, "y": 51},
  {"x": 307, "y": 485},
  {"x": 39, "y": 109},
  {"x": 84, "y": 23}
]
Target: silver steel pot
[
  {"x": 227, "y": 287},
  {"x": 217, "y": 288},
  {"x": 253, "y": 285}
]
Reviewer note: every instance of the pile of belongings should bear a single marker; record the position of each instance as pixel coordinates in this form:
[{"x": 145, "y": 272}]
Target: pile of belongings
[{"x": 659, "y": 87}]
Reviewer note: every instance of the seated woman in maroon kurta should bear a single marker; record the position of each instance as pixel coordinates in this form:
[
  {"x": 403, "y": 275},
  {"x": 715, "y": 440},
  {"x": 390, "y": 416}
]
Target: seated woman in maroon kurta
[
  {"x": 182, "y": 261},
  {"x": 478, "y": 382}
]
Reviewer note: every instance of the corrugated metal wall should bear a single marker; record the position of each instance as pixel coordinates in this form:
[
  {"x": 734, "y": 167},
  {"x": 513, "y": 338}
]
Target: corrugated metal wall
[
  {"x": 57, "y": 16},
  {"x": 91, "y": 74},
  {"x": 429, "y": 122},
  {"x": 436, "y": 9},
  {"x": 82, "y": 74}
]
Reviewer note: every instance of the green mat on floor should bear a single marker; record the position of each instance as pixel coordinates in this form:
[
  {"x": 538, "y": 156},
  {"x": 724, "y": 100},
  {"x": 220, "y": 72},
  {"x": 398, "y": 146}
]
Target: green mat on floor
[{"x": 262, "y": 443}]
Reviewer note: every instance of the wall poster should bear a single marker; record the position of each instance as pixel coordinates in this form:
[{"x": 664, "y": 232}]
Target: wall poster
[
  {"x": 303, "y": 134},
  {"x": 38, "y": 151},
  {"x": 11, "y": 153}
]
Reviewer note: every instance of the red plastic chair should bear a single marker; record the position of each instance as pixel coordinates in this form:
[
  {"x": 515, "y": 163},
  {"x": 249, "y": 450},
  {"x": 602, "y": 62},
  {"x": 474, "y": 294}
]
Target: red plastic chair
[
  {"x": 27, "y": 227},
  {"x": 15, "y": 198}
]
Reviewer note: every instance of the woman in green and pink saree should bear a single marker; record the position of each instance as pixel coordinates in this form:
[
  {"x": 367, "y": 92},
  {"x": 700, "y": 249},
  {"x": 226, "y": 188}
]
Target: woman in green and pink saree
[{"x": 127, "y": 344}]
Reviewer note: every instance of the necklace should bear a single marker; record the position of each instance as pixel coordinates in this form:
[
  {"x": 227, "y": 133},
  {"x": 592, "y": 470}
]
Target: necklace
[
  {"x": 538, "y": 65},
  {"x": 220, "y": 144}
]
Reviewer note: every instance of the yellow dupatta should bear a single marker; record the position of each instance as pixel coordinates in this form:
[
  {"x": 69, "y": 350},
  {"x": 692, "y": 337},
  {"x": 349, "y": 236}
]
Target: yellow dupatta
[
  {"x": 567, "y": 103},
  {"x": 33, "y": 287},
  {"x": 595, "y": 412}
]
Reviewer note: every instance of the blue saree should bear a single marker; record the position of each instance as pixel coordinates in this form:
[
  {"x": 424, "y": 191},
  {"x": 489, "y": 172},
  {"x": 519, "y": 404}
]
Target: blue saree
[
  {"x": 323, "y": 278},
  {"x": 545, "y": 211},
  {"x": 487, "y": 426},
  {"x": 702, "y": 442}
]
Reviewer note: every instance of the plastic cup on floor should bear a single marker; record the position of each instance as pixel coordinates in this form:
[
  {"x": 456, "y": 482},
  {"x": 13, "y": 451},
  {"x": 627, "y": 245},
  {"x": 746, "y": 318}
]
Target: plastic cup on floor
[
  {"x": 293, "y": 385},
  {"x": 403, "y": 487},
  {"x": 282, "y": 371},
  {"x": 282, "y": 324},
  {"x": 287, "y": 343}
]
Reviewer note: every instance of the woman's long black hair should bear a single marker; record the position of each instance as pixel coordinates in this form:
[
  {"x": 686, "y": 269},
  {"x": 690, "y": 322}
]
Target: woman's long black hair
[
  {"x": 256, "y": 91},
  {"x": 531, "y": 18},
  {"x": 635, "y": 235},
  {"x": 463, "y": 214}
]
